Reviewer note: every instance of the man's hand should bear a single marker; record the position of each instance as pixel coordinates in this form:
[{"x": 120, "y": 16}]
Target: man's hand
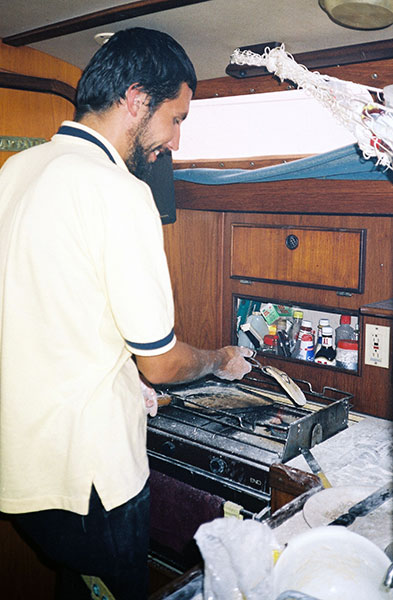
[
  {"x": 150, "y": 398},
  {"x": 234, "y": 365}
]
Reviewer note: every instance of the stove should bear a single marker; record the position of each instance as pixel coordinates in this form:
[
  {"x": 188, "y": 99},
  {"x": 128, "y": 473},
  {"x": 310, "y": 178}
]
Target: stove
[{"x": 223, "y": 437}]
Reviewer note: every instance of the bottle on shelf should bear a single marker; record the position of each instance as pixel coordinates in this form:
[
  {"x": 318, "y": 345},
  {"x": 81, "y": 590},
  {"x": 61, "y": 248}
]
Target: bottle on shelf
[
  {"x": 306, "y": 351},
  {"x": 281, "y": 324},
  {"x": 252, "y": 332},
  {"x": 295, "y": 328},
  {"x": 344, "y": 331},
  {"x": 258, "y": 324},
  {"x": 326, "y": 355},
  {"x": 305, "y": 328},
  {"x": 244, "y": 340},
  {"x": 322, "y": 323}
]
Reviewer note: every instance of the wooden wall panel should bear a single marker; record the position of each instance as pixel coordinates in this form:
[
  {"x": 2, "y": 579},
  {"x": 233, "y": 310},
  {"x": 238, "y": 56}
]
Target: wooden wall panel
[
  {"x": 28, "y": 61},
  {"x": 33, "y": 114},
  {"x": 194, "y": 248},
  {"x": 23, "y": 573}
]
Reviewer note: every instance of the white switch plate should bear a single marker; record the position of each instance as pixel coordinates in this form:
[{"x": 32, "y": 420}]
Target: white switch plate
[{"x": 376, "y": 350}]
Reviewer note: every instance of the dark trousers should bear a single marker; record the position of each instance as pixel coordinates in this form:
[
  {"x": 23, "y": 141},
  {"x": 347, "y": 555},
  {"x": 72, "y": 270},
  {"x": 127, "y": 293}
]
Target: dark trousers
[{"x": 112, "y": 545}]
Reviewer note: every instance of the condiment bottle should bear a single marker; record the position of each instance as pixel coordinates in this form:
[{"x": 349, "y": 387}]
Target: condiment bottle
[
  {"x": 322, "y": 323},
  {"x": 306, "y": 351},
  {"x": 326, "y": 355}
]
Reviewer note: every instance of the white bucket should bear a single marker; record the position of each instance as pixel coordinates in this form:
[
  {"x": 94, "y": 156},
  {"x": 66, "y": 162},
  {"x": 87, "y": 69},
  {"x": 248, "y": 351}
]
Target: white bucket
[{"x": 332, "y": 563}]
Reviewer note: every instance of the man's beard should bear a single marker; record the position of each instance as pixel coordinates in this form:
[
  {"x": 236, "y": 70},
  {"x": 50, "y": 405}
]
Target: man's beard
[
  {"x": 137, "y": 162},
  {"x": 137, "y": 159}
]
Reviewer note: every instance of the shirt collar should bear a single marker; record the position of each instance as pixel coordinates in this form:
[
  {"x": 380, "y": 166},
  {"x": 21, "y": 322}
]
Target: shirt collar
[{"x": 118, "y": 159}]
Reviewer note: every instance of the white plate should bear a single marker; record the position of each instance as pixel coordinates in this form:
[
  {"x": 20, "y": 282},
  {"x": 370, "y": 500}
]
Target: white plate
[{"x": 329, "y": 504}]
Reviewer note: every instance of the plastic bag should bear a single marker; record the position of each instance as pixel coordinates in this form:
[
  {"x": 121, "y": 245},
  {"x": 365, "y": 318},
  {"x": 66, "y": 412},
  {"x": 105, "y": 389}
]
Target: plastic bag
[{"x": 238, "y": 559}]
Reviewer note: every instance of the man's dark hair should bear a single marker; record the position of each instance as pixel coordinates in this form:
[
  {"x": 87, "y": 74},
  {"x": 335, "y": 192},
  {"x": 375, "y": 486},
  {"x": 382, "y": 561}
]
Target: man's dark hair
[{"x": 151, "y": 59}]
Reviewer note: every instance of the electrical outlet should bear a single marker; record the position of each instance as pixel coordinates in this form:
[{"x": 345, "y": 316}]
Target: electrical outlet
[{"x": 376, "y": 351}]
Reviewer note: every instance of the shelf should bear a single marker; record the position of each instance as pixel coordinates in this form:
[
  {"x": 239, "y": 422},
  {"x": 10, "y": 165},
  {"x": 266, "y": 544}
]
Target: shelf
[
  {"x": 379, "y": 309},
  {"x": 256, "y": 318}
]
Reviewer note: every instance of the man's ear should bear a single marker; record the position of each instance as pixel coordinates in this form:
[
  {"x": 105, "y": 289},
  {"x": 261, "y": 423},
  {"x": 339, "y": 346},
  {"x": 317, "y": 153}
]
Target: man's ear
[{"x": 135, "y": 99}]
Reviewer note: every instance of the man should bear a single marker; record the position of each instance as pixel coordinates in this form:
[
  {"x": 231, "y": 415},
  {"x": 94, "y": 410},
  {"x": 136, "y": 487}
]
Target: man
[{"x": 86, "y": 306}]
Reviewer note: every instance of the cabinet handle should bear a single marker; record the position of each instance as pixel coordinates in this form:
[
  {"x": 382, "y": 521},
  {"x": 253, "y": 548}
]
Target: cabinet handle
[{"x": 292, "y": 241}]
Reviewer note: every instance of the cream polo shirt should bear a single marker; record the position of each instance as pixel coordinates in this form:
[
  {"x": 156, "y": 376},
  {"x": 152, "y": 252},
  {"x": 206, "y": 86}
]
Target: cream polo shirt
[{"x": 84, "y": 284}]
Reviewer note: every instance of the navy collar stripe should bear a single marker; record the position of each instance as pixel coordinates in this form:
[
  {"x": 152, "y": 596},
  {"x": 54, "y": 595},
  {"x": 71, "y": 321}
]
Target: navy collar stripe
[{"x": 74, "y": 131}]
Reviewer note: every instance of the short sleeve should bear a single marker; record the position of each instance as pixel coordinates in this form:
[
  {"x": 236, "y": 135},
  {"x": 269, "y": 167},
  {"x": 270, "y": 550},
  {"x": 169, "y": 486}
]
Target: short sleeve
[{"x": 136, "y": 271}]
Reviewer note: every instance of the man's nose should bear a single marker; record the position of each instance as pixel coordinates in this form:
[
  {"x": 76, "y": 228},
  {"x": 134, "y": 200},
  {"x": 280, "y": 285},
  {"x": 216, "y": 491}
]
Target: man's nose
[{"x": 174, "y": 143}]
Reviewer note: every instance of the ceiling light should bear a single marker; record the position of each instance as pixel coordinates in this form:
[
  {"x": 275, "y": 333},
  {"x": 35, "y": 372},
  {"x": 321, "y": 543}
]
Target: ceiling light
[
  {"x": 360, "y": 14},
  {"x": 102, "y": 38}
]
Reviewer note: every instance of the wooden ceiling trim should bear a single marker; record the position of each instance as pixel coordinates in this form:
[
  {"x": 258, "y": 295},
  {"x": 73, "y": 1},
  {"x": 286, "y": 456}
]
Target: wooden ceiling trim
[
  {"x": 28, "y": 83},
  {"x": 95, "y": 19},
  {"x": 377, "y": 74},
  {"x": 317, "y": 59}
]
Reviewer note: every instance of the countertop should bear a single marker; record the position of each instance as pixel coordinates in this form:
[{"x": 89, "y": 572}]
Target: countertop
[{"x": 359, "y": 457}]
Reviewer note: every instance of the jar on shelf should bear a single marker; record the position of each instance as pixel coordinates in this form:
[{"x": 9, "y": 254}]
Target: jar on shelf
[
  {"x": 270, "y": 343},
  {"x": 347, "y": 354}
]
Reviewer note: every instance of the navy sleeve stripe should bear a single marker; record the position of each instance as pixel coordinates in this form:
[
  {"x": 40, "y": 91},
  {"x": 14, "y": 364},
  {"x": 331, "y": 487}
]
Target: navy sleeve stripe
[{"x": 153, "y": 345}]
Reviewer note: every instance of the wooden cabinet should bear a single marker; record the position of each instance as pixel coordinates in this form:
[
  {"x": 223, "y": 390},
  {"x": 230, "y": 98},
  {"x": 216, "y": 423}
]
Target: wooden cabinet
[
  {"x": 299, "y": 255},
  {"x": 340, "y": 275},
  {"x": 324, "y": 245}
]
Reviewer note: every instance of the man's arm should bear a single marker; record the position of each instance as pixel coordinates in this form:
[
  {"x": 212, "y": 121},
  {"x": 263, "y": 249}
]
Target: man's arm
[{"x": 185, "y": 363}]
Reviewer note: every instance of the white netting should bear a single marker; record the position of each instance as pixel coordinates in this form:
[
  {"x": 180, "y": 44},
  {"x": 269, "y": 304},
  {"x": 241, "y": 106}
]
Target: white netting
[{"x": 358, "y": 107}]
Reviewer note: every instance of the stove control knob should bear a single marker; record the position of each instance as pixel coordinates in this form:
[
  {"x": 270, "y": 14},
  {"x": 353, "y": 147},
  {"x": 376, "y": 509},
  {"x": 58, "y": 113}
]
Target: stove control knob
[
  {"x": 168, "y": 448},
  {"x": 217, "y": 466}
]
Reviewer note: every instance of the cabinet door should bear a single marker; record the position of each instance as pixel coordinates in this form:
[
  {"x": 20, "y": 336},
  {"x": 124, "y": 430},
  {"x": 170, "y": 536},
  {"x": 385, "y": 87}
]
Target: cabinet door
[{"x": 309, "y": 256}]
